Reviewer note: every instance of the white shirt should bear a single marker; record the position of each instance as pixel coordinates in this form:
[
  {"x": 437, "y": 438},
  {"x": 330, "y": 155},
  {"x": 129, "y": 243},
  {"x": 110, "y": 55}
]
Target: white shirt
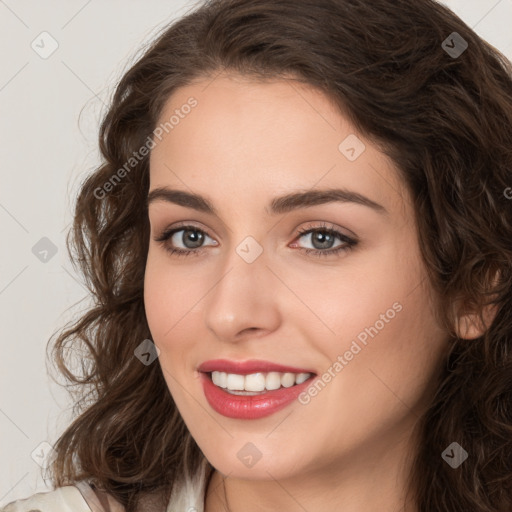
[{"x": 188, "y": 496}]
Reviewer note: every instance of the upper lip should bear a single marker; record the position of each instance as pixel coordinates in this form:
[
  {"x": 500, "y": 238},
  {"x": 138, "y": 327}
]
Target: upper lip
[{"x": 247, "y": 367}]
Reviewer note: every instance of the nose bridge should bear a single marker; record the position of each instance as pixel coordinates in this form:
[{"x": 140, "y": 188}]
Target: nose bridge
[{"x": 242, "y": 297}]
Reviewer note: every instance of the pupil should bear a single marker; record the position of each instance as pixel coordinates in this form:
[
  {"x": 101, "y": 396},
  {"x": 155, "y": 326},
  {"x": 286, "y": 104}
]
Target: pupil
[
  {"x": 324, "y": 238},
  {"x": 195, "y": 236}
]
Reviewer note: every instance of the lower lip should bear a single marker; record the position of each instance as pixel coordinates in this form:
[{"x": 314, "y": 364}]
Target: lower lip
[{"x": 250, "y": 407}]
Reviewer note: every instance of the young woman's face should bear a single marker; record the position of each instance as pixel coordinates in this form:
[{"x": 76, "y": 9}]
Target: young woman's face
[{"x": 349, "y": 305}]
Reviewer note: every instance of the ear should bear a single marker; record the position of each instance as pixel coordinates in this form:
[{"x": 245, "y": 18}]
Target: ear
[{"x": 470, "y": 325}]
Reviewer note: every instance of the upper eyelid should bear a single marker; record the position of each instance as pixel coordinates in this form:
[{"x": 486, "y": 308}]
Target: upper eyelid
[
  {"x": 303, "y": 231},
  {"x": 347, "y": 241},
  {"x": 186, "y": 225}
]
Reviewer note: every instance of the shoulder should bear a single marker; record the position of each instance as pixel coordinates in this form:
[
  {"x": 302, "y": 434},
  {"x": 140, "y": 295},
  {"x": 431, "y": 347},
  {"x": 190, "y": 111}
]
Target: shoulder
[
  {"x": 80, "y": 497},
  {"x": 61, "y": 499}
]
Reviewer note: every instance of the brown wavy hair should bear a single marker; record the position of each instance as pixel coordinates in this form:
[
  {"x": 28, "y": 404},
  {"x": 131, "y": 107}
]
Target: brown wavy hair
[{"x": 445, "y": 121}]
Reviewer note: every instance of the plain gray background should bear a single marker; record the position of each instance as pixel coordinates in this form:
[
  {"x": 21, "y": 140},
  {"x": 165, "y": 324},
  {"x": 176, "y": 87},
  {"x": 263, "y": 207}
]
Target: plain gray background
[{"x": 50, "y": 108}]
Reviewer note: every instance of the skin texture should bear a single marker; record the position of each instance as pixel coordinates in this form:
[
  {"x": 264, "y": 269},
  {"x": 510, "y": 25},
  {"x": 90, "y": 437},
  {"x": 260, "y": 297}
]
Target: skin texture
[{"x": 245, "y": 143}]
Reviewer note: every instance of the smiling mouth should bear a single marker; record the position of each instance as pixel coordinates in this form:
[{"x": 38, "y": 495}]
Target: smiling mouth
[{"x": 257, "y": 383}]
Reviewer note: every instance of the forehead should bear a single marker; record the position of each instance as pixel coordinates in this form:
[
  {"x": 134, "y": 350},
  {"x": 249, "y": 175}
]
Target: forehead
[{"x": 265, "y": 138}]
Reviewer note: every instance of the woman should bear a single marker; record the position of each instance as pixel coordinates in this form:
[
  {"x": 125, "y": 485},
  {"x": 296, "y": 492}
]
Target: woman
[{"x": 300, "y": 246}]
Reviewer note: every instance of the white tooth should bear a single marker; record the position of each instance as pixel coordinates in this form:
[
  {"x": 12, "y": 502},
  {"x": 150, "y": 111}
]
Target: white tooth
[
  {"x": 288, "y": 380},
  {"x": 255, "y": 382},
  {"x": 235, "y": 382},
  {"x": 273, "y": 381},
  {"x": 216, "y": 378},
  {"x": 258, "y": 382},
  {"x": 301, "y": 377}
]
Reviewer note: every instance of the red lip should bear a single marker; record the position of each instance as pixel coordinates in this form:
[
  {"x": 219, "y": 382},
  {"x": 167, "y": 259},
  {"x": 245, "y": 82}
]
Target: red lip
[
  {"x": 247, "y": 406},
  {"x": 247, "y": 367},
  {"x": 250, "y": 407}
]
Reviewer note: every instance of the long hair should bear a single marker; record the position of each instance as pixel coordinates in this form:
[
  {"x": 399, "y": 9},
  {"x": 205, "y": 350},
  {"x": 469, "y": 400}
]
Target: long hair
[{"x": 445, "y": 120}]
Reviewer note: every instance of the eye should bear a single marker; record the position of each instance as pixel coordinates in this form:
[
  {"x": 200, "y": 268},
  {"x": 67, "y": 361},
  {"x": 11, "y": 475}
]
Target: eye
[
  {"x": 323, "y": 237},
  {"x": 191, "y": 237}
]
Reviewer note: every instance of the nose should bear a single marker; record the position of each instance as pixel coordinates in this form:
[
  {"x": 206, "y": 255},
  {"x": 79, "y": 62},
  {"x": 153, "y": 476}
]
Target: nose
[{"x": 243, "y": 302}]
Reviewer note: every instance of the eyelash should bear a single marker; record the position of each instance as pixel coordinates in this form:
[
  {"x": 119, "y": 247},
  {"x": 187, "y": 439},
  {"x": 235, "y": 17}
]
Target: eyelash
[{"x": 349, "y": 242}]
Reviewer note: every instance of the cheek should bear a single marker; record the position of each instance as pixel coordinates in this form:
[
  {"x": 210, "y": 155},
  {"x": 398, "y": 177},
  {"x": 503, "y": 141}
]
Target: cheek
[
  {"x": 169, "y": 296},
  {"x": 164, "y": 303},
  {"x": 387, "y": 380},
  {"x": 384, "y": 331},
  {"x": 172, "y": 301},
  {"x": 360, "y": 301},
  {"x": 156, "y": 300},
  {"x": 390, "y": 356}
]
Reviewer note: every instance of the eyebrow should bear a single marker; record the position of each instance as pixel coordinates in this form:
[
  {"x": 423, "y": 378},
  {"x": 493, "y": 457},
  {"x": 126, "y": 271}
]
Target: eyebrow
[{"x": 278, "y": 205}]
